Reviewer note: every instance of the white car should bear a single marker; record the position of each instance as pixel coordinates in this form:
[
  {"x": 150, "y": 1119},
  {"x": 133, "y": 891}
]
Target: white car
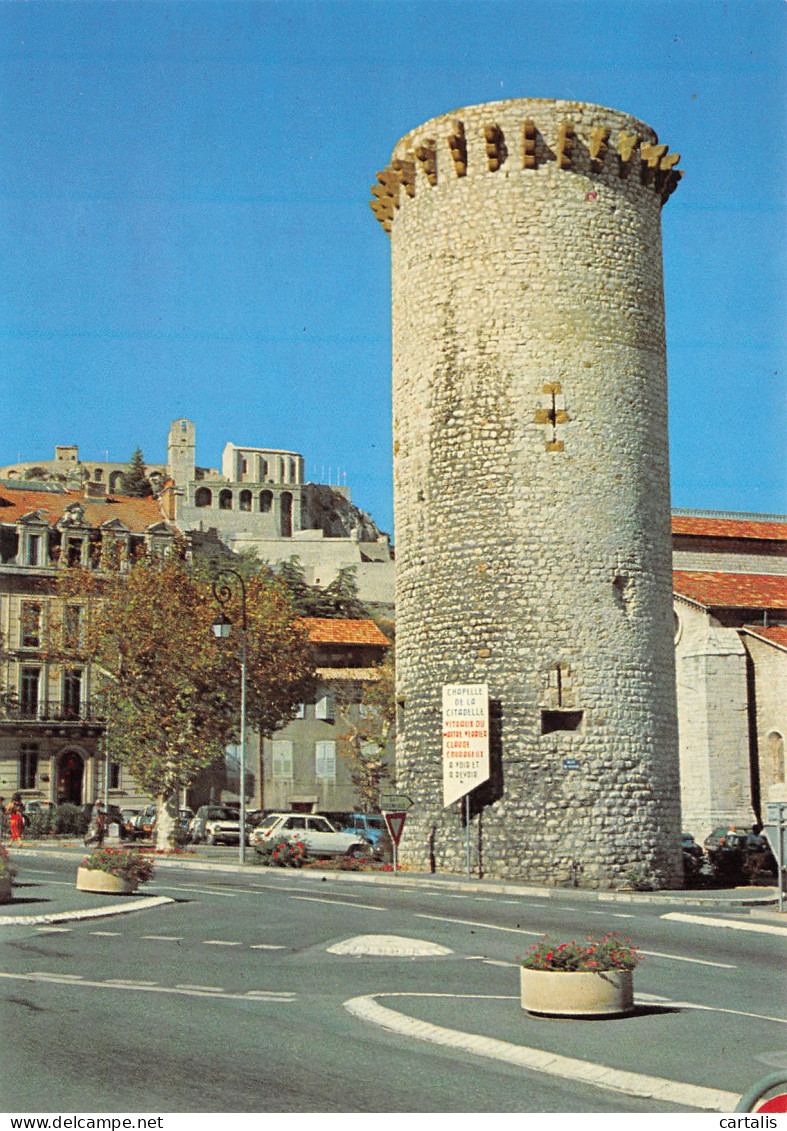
[
  {"x": 215, "y": 824},
  {"x": 316, "y": 833}
]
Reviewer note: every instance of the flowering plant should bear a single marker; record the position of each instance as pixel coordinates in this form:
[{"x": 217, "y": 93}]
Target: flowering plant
[
  {"x": 127, "y": 863},
  {"x": 608, "y": 953},
  {"x": 286, "y": 854}
]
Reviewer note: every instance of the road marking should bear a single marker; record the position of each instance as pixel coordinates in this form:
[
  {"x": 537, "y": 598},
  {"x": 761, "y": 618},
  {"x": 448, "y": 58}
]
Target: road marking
[
  {"x": 103, "y": 934},
  {"x": 339, "y": 902},
  {"x": 266, "y": 946},
  {"x": 207, "y": 989},
  {"x": 656, "y": 999},
  {"x": 76, "y": 981},
  {"x": 730, "y": 924},
  {"x": 473, "y": 923},
  {"x": 552, "y": 1064},
  {"x": 54, "y": 930},
  {"x": 681, "y": 958},
  {"x": 129, "y": 982},
  {"x": 163, "y": 938},
  {"x": 219, "y": 942},
  {"x": 199, "y": 891}
]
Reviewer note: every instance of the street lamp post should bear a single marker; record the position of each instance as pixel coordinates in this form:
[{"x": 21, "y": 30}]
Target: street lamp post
[{"x": 222, "y": 591}]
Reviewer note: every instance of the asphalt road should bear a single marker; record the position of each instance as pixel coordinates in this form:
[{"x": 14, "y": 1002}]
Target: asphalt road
[{"x": 228, "y": 1000}]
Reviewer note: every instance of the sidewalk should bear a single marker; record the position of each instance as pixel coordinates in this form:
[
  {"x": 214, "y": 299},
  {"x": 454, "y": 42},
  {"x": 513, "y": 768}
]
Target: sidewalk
[{"x": 65, "y": 899}]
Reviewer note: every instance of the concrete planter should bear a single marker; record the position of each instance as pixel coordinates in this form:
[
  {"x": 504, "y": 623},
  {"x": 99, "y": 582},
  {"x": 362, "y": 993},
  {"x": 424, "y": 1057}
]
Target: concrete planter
[
  {"x": 577, "y": 993},
  {"x": 5, "y": 889},
  {"x": 91, "y": 879}
]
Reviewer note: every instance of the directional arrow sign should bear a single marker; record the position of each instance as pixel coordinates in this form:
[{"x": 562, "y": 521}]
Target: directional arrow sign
[{"x": 395, "y": 803}]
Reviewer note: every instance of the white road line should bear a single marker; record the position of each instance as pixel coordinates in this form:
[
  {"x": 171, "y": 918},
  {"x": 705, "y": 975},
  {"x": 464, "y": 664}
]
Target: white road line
[
  {"x": 207, "y": 989},
  {"x": 682, "y": 958},
  {"x": 58, "y": 977},
  {"x": 54, "y": 930},
  {"x": 567, "y": 1068},
  {"x": 219, "y": 942},
  {"x": 198, "y": 891},
  {"x": 77, "y": 982},
  {"x": 339, "y": 902},
  {"x": 730, "y": 924},
  {"x": 129, "y": 982},
  {"x": 266, "y": 946},
  {"x": 473, "y": 923},
  {"x": 658, "y": 1000},
  {"x": 107, "y": 934},
  {"x": 163, "y": 938}
]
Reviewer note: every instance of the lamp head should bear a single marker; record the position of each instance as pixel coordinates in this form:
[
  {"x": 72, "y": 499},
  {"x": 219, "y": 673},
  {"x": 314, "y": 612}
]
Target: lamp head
[{"x": 221, "y": 626}]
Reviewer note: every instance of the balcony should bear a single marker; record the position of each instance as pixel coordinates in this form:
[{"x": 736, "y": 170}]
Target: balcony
[{"x": 48, "y": 711}]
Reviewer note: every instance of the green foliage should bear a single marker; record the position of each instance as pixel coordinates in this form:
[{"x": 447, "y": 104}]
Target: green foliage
[
  {"x": 368, "y": 717},
  {"x": 337, "y": 600},
  {"x": 135, "y": 481},
  {"x": 287, "y": 854},
  {"x": 70, "y": 820},
  {"x": 169, "y": 690}
]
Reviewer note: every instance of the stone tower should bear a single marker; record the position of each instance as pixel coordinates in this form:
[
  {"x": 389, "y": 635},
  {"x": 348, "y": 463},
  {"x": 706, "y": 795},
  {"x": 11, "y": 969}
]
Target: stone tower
[
  {"x": 181, "y": 451},
  {"x": 531, "y": 486}
]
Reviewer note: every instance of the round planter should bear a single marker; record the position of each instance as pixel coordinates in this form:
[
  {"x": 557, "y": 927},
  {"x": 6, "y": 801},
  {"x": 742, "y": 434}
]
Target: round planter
[
  {"x": 91, "y": 879},
  {"x": 5, "y": 889},
  {"x": 577, "y": 993}
]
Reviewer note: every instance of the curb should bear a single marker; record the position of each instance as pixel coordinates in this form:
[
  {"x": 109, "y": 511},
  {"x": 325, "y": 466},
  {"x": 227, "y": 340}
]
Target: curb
[
  {"x": 85, "y": 913},
  {"x": 675, "y": 1092},
  {"x": 452, "y": 883}
]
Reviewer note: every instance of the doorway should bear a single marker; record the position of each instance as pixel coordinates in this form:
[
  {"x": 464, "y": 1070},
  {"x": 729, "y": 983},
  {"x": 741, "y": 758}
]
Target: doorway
[{"x": 70, "y": 772}]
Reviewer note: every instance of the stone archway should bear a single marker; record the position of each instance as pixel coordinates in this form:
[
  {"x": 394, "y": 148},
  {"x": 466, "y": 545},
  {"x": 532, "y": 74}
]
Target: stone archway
[{"x": 70, "y": 777}]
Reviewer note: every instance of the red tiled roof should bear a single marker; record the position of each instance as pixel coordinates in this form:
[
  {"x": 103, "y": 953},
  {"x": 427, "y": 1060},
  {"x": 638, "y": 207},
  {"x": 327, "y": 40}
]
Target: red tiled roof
[
  {"x": 732, "y": 590},
  {"x": 774, "y": 634},
  {"x": 137, "y": 514},
  {"x": 323, "y": 630},
  {"x": 729, "y": 528}
]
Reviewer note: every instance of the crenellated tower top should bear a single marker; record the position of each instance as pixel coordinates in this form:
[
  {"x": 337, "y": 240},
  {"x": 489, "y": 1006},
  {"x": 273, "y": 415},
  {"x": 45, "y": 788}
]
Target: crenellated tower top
[{"x": 526, "y": 137}]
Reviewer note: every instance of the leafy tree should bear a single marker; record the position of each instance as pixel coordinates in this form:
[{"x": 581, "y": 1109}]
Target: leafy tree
[
  {"x": 339, "y": 599},
  {"x": 170, "y": 692},
  {"x": 135, "y": 481},
  {"x": 369, "y": 727}
]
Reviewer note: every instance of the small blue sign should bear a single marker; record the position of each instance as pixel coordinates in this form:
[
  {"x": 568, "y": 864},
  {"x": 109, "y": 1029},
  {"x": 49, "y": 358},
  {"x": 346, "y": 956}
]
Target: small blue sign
[{"x": 570, "y": 763}]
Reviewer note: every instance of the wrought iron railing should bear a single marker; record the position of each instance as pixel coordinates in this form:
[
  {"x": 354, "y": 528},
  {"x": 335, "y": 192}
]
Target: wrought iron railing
[{"x": 49, "y": 710}]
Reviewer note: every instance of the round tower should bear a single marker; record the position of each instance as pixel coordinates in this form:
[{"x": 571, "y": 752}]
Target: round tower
[{"x": 531, "y": 487}]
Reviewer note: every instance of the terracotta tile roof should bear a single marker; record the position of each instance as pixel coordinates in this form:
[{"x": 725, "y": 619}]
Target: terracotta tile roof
[
  {"x": 323, "y": 630},
  {"x": 774, "y": 634},
  {"x": 357, "y": 675},
  {"x": 729, "y": 528},
  {"x": 138, "y": 514},
  {"x": 732, "y": 590}
]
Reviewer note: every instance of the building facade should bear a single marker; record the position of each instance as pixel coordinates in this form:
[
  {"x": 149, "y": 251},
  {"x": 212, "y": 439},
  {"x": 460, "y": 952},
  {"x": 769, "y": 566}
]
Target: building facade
[{"x": 531, "y": 485}]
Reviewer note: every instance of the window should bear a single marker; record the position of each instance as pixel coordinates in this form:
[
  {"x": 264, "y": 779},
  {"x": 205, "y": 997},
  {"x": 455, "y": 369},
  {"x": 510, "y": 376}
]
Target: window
[
  {"x": 266, "y": 501},
  {"x": 74, "y": 552},
  {"x": 28, "y": 691},
  {"x": 72, "y": 694},
  {"x": 325, "y": 761},
  {"x": 33, "y": 552},
  {"x": 560, "y": 720},
  {"x": 30, "y": 633},
  {"x": 323, "y": 708},
  {"x": 245, "y": 500},
  {"x": 286, "y": 515},
  {"x": 300, "y": 711},
  {"x": 72, "y": 624},
  {"x": 203, "y": 497},
  {"x": 28, "y": 766},
  {"x": 225, "y": 500},
  {"x": 114, "y": 775},
  {"x": 282, "y": 759}
]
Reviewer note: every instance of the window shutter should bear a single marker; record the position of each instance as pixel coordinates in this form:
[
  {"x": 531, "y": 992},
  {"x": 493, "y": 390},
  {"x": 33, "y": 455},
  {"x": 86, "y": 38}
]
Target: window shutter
[
  {"x": 282, "y": 759},
  {"x": 325, "y": 760}
]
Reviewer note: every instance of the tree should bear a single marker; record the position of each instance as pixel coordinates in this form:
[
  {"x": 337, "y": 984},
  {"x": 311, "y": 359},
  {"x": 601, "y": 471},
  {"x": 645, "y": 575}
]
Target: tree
[
  {"x": 135, "y": 481},
  {"x": 369, "y": 725},
  {"x": 338, "y": 599},
  {"x": 170, "y": 692}
]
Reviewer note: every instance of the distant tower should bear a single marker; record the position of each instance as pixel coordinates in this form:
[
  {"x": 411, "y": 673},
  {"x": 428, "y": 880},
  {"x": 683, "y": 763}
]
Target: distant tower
[
  {"x": 531, "y": 485},
  {"x": 181, "y": 452}
]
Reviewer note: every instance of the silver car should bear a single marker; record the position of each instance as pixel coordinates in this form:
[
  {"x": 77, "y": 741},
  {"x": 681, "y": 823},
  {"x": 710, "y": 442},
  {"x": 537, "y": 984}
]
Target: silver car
[
  {"x": 315, "y": 833},
  {"x": 215, "y": 824}
]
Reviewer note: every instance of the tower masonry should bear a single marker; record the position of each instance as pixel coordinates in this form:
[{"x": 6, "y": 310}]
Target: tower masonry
[{"x": 531, "y": 486}]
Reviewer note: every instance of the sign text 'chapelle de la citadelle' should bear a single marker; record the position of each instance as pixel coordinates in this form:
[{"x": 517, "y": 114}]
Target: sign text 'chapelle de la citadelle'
[{"x": 465, "y": 738}]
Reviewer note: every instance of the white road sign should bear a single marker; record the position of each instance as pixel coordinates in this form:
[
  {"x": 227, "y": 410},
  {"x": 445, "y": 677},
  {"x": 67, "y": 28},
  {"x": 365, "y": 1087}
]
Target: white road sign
[{"x": 465, "y": 738}]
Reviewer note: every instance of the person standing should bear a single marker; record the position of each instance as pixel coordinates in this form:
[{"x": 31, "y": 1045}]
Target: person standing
[
  {"x": 97, "y": 825},
  {"x": 16, "y": 822}
]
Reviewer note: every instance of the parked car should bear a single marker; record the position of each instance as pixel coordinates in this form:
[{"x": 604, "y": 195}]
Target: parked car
[
  {"x": 371, "y": 826},
  {"x": 215, "y": 824},
  {"x": 313, "y": 830},
  {"x": 693, "y": 856},
  {"x": 734, "y": 852},
  {"x": 141, "y": 827}
]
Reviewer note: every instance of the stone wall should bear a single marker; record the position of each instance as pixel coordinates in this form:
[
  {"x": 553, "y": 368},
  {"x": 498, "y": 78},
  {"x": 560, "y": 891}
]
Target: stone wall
[{"x": 532, "y": 486}]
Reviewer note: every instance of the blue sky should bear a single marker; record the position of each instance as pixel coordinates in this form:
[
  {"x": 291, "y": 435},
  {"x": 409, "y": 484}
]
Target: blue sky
[{"x": 185, "y": 228}]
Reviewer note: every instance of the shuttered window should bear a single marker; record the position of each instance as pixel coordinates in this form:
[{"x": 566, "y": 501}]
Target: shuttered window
[
  {"x": 282, "y": 759},
  {"x": 325, "y": 761}
]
